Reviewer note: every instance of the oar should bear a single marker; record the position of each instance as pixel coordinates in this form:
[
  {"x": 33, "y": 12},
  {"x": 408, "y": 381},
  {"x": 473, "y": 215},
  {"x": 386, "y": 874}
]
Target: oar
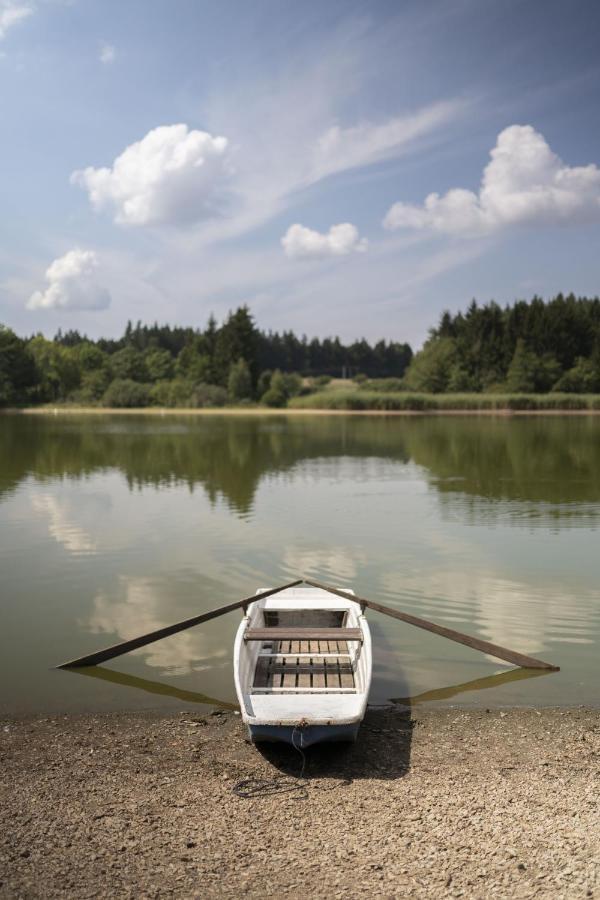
[
  {"x": 518, "y": 659},
  {"x": 100, "y": 656}
]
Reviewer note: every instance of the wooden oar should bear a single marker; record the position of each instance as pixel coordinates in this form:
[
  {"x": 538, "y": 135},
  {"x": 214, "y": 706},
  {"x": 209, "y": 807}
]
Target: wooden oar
[
  {"x": 518, "y": 659},
  {"x": 100, "y": 656}
]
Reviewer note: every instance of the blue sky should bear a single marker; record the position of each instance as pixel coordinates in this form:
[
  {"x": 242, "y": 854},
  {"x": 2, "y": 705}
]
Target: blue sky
[{"x": 343, "y": 168}]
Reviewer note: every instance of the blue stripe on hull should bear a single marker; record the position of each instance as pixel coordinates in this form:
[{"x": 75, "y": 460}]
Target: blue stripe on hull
[{"x": 303, "y": 737}]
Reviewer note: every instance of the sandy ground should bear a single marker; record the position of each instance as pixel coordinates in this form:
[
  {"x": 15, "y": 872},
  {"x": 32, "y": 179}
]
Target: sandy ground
[
  {"x": 266, "y": 411},
  {"x": 441, "y": 803}
]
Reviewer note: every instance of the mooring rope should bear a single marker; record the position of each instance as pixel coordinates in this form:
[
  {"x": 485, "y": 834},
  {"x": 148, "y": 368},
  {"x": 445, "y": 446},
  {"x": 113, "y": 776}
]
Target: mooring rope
[{"x": 262, "y": 787}]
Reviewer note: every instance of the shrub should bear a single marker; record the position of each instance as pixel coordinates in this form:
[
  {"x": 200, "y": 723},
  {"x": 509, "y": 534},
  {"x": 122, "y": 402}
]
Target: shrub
[
  {"x": 125, "y": 393},
  {"x": 239, "y": 383},
  {"x": 264, "y": 382},
  {"x": 274, "y": 397}
]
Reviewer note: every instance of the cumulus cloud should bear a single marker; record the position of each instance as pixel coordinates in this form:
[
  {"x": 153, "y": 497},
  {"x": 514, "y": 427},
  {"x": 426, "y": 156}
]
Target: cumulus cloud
[
  {"x": 11, "y": 12},
  {"x": 107, "y": 54},
  {"x": 525, "y": 183},
  {"x": 72, "y": 284},
  {"x": 172, "y": 176},
  {"x": 300, "y": 242}
]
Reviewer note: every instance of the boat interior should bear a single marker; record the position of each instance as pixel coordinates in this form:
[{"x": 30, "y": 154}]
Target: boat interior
[{"x": 305, "y": 650}]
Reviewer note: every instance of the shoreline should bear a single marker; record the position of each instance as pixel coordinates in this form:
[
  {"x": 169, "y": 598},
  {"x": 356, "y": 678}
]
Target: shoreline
[
  {"x": 428, "y": 803},
  {"x": 268, "y": 411}
]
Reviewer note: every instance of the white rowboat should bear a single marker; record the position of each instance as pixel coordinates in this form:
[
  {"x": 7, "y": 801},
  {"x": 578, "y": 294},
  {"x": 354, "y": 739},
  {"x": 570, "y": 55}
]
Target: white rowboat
[{"x": 302, "y": 665}]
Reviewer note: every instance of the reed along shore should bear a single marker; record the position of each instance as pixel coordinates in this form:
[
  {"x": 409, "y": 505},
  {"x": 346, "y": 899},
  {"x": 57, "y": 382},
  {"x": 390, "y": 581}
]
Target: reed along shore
[{"x": 428, "y": 803}]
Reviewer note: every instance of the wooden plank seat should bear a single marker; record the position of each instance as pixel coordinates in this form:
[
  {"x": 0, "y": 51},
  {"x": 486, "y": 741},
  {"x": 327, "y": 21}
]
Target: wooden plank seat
[
  {"x": 303, "y": 634},
  {"x": 276, "y": 673}
]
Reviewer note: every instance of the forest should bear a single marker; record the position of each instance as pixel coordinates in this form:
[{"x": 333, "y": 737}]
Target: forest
[
  {"x": 534, "y": 347},
  {"x": 176, "y": 366}
]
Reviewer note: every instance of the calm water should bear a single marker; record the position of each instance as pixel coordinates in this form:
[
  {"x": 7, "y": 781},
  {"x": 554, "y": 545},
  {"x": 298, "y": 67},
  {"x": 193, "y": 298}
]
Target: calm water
[{"x": 114, "y": 526}]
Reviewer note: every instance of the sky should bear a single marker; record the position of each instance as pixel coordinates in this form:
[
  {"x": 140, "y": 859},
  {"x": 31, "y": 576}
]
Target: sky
[{"x": 341, "y": 167}]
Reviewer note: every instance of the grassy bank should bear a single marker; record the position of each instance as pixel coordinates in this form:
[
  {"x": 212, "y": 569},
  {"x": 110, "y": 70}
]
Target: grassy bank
[{"x": 365, "y": 400}]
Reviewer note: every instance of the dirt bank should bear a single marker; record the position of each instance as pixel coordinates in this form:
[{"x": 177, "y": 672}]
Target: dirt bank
[
  {"x": 265, "y": 411},
  {"x": 441, "y": 803}
]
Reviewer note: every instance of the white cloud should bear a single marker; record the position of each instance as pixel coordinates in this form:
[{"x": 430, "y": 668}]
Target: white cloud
[
  {"x": 303, "y": 243},
  {"x": 61, "y": 525},
  {"x": 11, "y": 12},
  {"x": 524, "y": 183},
  {"x": 72, "y": 284},
  {"x": 173, "y": 175},
  {"x": 141, "y": 605},
  {"x": 107, "y": 54},
  {"x": 341, "y": 149}
]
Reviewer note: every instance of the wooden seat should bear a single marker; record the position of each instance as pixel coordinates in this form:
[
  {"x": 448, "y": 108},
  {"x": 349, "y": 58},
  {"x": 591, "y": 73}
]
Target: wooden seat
[
  {"x": 287, "y": 673},
  {"x": 303, "y": 634}
]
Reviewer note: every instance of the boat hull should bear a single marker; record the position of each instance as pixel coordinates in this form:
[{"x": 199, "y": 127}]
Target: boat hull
[{"x": 300, "y": 738}]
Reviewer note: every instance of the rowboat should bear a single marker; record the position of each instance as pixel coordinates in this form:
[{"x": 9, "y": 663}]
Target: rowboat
[
  {"x": 302, "y": 666},
  {"x": 302, "y": 659}
]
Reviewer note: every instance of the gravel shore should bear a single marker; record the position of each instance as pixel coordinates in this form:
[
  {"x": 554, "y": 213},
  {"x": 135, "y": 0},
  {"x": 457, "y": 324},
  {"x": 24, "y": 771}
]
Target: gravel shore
[{"x": 435, "y": 803}]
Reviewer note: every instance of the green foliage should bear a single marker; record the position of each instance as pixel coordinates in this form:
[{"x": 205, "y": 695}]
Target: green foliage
[
  {"x": 159, "y": 365},
  {"x": 239, "y": 382},
  {"x": 128, "y": 364},
  {"x": 264, "y": 382},
  {"x": 583, "y": 378},
  {"x": 89, "y": 357},
  {"x": 57, "y": 367},
  {"x": 194, "y": 362},
  {"x": 287, "y": 383},
  {"x": 93, "y": 385},
  {"x": 18, "y": 374},
  {"x": 186, "y": 394},
  {"x": 416, "y": 402},
  {"x": 274, "y": 398},
  {"x": 322, "y": 380},
  {"x": 126, "y": 393},
  {"x": 432, "y": 368},
  {"x": 236, "y": 339},
  {"x": 529, "y": 372}
]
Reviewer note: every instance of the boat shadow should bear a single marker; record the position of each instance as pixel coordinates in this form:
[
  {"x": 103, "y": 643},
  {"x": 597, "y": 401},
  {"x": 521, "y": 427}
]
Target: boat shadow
[
  {"x": 382, "y": 750},
  {"x": 383, "y": 747}
]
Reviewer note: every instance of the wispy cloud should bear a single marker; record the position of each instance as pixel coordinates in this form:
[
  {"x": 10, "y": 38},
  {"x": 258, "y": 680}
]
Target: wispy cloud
[
  {"x": 12, "y": 12},
  {"x": 107, "y": 54}
]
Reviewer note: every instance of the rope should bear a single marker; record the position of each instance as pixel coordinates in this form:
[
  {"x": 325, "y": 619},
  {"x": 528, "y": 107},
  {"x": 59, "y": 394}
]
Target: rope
[{"x": 248, "y": 788}]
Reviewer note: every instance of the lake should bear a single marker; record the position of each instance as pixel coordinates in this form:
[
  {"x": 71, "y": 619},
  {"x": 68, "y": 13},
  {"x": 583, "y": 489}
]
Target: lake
[{"x": 111, "y": 526}]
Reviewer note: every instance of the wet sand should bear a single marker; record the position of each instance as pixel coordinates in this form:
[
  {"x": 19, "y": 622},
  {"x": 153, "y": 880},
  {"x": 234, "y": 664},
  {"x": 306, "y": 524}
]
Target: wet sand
[{"x": 434, "y": 803}]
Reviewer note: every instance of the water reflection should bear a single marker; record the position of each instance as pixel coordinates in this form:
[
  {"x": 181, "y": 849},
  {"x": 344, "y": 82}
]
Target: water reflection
[
  {"x": 141, "y": 605},
  {"x": 542, "y": 469},
  {"x": 437, "y": 695},
  {"x": 161, "y": 688},
  {"x": 111, "y": 527}
]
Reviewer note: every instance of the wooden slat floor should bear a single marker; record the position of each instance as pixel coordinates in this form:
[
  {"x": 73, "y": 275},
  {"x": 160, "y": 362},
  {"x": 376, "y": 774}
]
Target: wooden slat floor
[{"x": 284, "y": 668}]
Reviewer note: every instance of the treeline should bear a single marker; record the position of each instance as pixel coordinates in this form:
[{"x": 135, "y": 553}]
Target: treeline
[
  {"x": 533, "y": 347},
  {"x": 175, "y": 366},
  {"x": 526, "y": 348}
]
